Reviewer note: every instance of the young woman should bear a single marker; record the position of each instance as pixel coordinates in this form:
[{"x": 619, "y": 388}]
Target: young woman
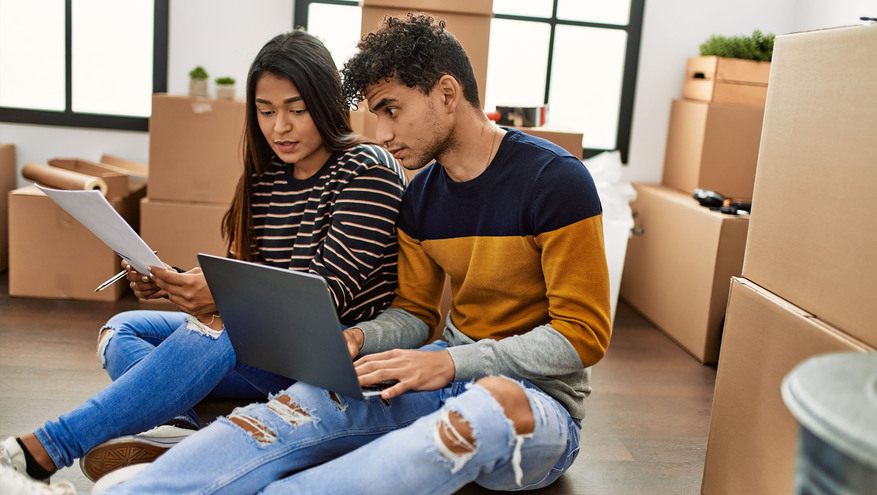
[{"x": 313, "y": 197}]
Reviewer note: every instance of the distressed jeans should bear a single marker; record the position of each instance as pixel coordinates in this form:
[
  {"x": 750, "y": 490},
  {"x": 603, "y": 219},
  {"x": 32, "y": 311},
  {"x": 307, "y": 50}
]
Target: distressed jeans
[
  {"x": 308, "y": 440},
  {"x": 161, "y": 367}
]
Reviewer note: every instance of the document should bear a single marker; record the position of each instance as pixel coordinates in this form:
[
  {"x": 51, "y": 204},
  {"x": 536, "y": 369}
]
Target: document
[{"x": 93, "y": 211}]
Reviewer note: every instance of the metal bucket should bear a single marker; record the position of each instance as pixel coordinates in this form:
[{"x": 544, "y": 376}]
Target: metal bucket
[{"x": 834, "y": 399}]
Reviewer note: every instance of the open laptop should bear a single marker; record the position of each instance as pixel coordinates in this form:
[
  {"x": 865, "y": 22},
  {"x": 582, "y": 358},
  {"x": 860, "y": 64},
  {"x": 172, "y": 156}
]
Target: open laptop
[{"x": 283, "y": 321}]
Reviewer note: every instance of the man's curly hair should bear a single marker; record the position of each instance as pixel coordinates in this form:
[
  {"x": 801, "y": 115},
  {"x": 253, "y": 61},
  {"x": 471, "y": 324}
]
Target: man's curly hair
[{"x": 414, "y": 49}]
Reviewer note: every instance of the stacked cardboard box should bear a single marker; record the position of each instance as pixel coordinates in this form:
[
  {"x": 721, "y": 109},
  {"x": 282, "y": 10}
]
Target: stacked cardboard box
[
  {"x": 715, "y": 129},
  {"x": 677, "y": 273},
  {"x": 195, "y": 162},
  {"x": 809, "y": 273},
  {"x": 51, "y": 254},
  {"x": 7, "y": 183}
]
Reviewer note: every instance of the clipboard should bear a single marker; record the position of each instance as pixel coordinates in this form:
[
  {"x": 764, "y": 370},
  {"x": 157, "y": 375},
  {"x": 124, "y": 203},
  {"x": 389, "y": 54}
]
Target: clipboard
[{"x": 93, "y": 211}]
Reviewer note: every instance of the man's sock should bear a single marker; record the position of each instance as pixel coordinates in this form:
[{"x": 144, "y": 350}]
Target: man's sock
[{"x": 34, "y": 469}]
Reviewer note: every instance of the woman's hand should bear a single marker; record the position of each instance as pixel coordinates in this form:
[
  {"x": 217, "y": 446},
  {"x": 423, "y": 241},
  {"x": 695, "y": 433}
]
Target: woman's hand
[
  {"x": 142, "y": 284},
  {"x": 354, "y": 338},
  {"x": 187, "y": 290}
]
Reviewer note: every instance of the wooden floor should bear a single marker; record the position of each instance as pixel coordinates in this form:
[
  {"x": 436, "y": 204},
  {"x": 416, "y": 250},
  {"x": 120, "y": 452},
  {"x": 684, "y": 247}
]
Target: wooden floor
[{"x": 645, "y": 432}]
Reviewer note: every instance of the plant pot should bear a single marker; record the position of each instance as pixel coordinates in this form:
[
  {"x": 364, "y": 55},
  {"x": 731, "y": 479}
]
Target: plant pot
[
  {"x": 225, "y": 91},
  {"x": 197, "y": 87}
]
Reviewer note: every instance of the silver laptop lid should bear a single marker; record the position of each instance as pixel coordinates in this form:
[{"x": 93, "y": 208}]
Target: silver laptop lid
[{"x": 282, "y": 321}]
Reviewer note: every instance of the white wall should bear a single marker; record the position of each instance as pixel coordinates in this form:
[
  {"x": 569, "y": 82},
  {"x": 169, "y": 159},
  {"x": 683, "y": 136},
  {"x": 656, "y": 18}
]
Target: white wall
[
  {"x": 674, "y": 29},
  {"x": 224, "y": 35}
]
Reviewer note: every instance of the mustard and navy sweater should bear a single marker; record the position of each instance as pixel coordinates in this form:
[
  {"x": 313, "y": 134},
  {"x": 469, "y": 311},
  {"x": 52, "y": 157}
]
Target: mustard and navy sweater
[{"x": 523, "y": 246}]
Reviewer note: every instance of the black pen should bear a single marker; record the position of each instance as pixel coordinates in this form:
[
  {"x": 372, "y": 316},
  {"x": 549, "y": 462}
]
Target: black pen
[{"x": 115, "y": 278}]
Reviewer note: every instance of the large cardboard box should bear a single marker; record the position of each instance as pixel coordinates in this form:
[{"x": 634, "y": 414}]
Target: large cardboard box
[
  {"x": 812, "y": 240},
  {"x": 52, "y": 255},
  {"x": 195, "y": 149},
  {"x": 180, "y": 230},
  {"x": 677, "y": 272},
  {"x": 7, "y": 184},
  {"x": 712, "y": 147},
  {"x": 752, "y": 436},
  {"x": 728, "y": 81},
  {"x": 468, "y": 21}
]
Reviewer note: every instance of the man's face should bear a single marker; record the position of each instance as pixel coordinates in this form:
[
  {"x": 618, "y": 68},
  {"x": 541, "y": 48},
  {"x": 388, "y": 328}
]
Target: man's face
[{"x": 411, "y": 125}]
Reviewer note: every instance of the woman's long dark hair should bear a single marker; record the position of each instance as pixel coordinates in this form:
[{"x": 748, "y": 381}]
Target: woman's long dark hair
[{"x": 302, "y": 59}]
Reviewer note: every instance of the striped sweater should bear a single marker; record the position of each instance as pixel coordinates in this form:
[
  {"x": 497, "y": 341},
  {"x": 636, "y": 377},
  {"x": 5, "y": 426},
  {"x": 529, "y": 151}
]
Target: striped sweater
[
  {"x": 339, "y": 223},
  {"x": 523, "y": 246}
]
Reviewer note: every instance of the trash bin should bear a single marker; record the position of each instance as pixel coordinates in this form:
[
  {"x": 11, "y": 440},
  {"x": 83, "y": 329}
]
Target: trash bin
[{"x": 834, "y": 399}]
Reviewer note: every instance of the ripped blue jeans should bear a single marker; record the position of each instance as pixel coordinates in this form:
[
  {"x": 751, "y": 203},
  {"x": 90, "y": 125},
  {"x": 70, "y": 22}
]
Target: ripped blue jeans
[
  {"x": 308, "y": 440},
  {"x": 161, "y": 367}
]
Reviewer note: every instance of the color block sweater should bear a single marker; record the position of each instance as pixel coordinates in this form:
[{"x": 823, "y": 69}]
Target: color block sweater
[{"x": 523, "y": 245}]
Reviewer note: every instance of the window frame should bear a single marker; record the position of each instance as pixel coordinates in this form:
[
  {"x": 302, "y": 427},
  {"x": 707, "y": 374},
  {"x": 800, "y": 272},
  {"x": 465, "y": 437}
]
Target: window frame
[
  {"x": 68, "y": 117},
  {"x": 631, "y": 59}
]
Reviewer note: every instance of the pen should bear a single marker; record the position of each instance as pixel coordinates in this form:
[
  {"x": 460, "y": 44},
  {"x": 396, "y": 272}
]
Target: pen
[{"x": 115, "y": 278}]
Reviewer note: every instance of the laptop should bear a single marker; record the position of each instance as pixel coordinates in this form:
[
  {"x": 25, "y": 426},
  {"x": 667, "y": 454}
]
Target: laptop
[{"x": 283, "y": 321}]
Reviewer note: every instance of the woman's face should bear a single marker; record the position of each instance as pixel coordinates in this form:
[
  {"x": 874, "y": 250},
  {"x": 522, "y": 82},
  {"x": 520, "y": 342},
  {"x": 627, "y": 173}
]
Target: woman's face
[{"x": 287, "y": 125}]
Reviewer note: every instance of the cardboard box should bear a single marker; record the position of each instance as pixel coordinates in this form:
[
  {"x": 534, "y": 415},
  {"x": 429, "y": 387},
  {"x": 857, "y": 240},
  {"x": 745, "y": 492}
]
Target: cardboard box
[
  {"x": 677, "y": 273},
  {"x": 472, "y": 30},
  {"x": 752, "y": 436},
  {"x": 195, "y": 149},
  {"x": 727, "y": 81},
  {"x": 481, "y": 7},
  {"x": 364, "y": 122},
  {"x": 712, "y": 147},
  {"x": 811, "y": 240},
  {"x": 7, "y": 183},
  {"x": 130, "y": 167},
  {"x": 117, "y": 181},
  {"x": 52, "y": 255},
  {"x": 569, "y": 140},
  {"x": 179, "y": 230}
]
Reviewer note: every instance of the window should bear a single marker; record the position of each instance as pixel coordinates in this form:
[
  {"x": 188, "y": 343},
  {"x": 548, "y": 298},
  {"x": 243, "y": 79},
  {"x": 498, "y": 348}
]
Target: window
[
  {"x": 82, "y": 63},
  {"x": 584, "y": 53},
  {"x": 579, "y": 58}
]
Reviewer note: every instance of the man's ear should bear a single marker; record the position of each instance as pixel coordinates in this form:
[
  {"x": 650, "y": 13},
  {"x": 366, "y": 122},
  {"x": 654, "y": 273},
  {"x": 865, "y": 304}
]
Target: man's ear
[{"x": 450, "y": 92}]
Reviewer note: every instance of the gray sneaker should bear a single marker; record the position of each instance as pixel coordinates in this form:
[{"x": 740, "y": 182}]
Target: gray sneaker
[
  {"x": 131, "y": 449},
  {"x": 15, "y": 482}
]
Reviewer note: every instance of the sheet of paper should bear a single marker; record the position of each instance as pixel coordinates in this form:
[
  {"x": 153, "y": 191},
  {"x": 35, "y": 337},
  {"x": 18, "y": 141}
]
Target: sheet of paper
[{"x": 93, "y": 211}]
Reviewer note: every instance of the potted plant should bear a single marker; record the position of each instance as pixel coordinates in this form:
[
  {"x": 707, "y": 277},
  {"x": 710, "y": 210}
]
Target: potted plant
[
  {"x": 224, "y": 87},
  {"x": 730, "y": 70},
  {"x": 758, "y": 47},
  {"x": 198, "y": 81}
]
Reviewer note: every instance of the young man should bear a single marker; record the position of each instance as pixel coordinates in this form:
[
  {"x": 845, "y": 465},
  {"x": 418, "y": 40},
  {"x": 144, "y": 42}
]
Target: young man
[{"x": 515, "y": 222}]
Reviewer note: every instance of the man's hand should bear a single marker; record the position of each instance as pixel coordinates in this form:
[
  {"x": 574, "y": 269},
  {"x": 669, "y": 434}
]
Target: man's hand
[
  {"x": 187, "y": 290},
  {"x": 415, "y": 370},
  {"x": 354, "y": 338}
]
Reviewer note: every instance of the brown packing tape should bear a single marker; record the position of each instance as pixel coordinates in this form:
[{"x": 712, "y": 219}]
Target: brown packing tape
[{"x": 62, "y": 179}]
